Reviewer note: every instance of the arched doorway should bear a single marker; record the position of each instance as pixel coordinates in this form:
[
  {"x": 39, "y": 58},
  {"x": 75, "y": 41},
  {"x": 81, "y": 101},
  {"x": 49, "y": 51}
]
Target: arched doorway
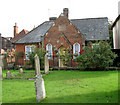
[{"x": 61, "y": 53}]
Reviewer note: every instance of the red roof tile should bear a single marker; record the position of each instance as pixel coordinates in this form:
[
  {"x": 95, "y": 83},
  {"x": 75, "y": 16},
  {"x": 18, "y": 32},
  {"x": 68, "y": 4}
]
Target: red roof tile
[{"x": 22, "y": 33}]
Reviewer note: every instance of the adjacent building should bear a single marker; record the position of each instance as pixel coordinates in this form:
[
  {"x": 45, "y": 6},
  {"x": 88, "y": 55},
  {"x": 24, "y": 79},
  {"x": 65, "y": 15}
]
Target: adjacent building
[
  {"x": 116, "y": 30},
  {"x": 5, "y": 44}
]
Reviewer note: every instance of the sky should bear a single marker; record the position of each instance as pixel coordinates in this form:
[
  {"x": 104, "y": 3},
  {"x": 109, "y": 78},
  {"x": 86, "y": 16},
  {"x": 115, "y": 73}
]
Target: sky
[{"x": 30, "y": 13}]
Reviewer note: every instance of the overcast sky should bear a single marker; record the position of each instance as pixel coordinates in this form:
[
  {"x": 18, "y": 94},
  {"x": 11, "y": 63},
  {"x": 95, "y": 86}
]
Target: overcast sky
[{"x": 27, "y": 13}]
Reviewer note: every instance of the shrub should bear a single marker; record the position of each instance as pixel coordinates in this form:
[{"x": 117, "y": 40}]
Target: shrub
[
  {"x": 66, "y": 57},
  {"x": 31, "y": 56},
  {"x": 99, "y": 56}
]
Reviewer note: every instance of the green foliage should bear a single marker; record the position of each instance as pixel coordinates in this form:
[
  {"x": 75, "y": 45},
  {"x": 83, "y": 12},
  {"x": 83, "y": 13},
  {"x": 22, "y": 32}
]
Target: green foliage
[
  {"x": 66, "y": 57},
  {"x": 110, "y": 34},
  {"x": 18, "y": 55},
  {"x": 99, "y": 56},
  {"x": 31, "y": 56},
  {"x": 4, "y": 60}
]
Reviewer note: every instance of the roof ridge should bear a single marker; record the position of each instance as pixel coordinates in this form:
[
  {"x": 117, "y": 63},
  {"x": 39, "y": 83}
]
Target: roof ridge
[{"x": 89, "y": 18}]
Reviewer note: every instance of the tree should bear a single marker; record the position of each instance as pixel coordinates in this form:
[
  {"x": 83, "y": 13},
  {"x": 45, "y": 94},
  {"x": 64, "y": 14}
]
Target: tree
[
  {"x": 40, "y": 52},
  {"x": 110, "y": 34},
  {"x": 99, "y": 56}
]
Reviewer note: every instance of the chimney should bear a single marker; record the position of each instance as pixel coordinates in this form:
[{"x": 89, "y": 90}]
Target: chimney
[
  {"x": 52, "y": 18},
  {"x": 118, "y": 8},
  {"x": 66, "y": 12},
  {"x": 15, "y": 30}
]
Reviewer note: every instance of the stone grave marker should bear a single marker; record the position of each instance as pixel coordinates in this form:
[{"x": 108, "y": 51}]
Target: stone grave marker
[
  {"x": 46, "y": 64},
  {"x": 8, "y": 75},
  {"x": 37, "y": 65},
  {"x": 21, "y": 70},
  {"x": 1, "y": 65},
  {"x": 40, "y": 88}
]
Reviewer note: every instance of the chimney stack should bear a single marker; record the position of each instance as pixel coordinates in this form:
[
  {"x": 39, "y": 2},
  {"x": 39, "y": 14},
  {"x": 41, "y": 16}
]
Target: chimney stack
[
  {"x": 66, "y": 12},
  {"x": 15, "y": 30},
  {"x": 118, "y": 8}
]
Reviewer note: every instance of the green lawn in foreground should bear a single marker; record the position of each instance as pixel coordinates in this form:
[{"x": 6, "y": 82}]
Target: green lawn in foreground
[{"x": 66, "y": 87}]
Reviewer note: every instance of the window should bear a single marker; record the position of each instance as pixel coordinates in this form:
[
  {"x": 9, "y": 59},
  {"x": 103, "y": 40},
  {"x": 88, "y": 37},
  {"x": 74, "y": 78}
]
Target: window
[
  {"x": 49, "y": 51},
  {"x": 76, "y": 50},
  {"x": 29, "y": 49},
  {"x": 62, "y": 27}
]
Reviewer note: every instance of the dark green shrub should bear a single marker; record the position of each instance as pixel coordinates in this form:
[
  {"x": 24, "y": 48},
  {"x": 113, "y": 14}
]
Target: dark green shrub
[{"x": 98, "y": 56}]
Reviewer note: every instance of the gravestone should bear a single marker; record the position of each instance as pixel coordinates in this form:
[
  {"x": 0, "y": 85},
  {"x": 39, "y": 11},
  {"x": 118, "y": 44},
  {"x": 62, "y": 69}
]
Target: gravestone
[
  {"x": 21, "y": 70},
  {"x": 1, "y": 64},
  {"x": 1, "y": 78},
  {"x": 46, "y": 64},
  {"x": 40, "y": 88},
  {"x": 37, "y": 65},
  {"x": 8, "y": 75}
]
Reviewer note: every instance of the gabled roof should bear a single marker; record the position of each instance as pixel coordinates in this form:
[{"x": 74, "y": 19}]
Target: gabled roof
[
  {"x": 62, "y": 34},
  {"x": 115, "y": 21},
  {"x": 34, "y": 36},
  {"x": 17, "y": 37},
  {"x": 93, "y": 28}
]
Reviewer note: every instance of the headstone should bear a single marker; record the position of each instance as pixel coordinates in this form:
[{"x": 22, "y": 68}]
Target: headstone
[
  {"x": 40, "y": 88},
  {"x": 1, "y": 64},
  {"x": 37, "y": 65},
  {"x": 1, "y": 78},
  {"x": 46, "y": 64},
  {"x": 8, "y": 75},
  {"x": 21, "y": 70}
]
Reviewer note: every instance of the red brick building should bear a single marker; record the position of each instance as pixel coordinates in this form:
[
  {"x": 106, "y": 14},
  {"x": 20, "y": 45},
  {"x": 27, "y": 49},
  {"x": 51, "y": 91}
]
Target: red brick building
[{"x": 59, "y": 34}]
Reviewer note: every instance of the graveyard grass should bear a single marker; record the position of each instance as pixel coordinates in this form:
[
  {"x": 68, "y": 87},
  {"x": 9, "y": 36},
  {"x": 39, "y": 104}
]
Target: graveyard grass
[{"x": 65, "y": 87}]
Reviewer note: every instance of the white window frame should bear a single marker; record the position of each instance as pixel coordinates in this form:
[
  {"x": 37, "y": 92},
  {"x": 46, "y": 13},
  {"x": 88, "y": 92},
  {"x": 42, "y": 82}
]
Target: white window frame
[
  {"x": 49, "y": 54},
  {"x": 30, "y": 50},
  {"x": 74, "y": 45}
]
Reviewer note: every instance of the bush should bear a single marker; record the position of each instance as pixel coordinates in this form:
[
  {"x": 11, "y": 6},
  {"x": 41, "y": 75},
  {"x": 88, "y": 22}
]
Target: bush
[
  {"x": 99, "y": 56},
  {"x": 31, "y": 56},
  {"x": 66, "y": 57}
]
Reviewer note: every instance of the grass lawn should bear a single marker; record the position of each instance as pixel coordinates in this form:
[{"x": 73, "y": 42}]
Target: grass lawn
[{"x": 65, "y": 87}]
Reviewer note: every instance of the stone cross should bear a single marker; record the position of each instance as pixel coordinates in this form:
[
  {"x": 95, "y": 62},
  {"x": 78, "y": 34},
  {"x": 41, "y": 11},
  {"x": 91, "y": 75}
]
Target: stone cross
[
  {"x": 37, "y": 65},
  {"x": 8, "y": 75},
  {"x": 1, "y": 64},
  {"x": 46, "y": 64},
  {"x": 40, "y": 88}
]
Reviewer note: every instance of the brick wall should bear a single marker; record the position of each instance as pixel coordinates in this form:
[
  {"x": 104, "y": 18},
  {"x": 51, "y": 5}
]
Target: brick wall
[
  {"x": 63, "y": 33},
  {"x": 69, "y": 30},
  {"x": 21, "y": 48}
]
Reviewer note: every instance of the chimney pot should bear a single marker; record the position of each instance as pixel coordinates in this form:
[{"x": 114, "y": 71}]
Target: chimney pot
[{"x": 66, "y": 12}]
